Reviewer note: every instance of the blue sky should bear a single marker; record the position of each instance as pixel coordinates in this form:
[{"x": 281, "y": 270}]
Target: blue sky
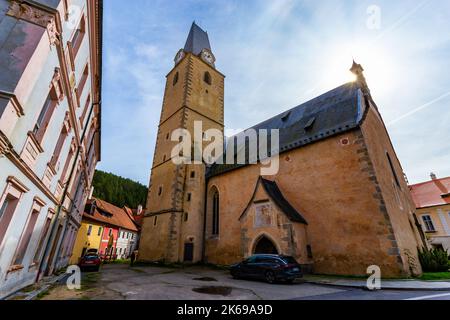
[{"x": 276, "y": 55}]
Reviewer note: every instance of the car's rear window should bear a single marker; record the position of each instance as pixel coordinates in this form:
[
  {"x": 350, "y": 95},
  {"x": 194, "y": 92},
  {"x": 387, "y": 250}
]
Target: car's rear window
[
  {"x": 289, "y": 260},
  {"x": 91, "y": 257}
]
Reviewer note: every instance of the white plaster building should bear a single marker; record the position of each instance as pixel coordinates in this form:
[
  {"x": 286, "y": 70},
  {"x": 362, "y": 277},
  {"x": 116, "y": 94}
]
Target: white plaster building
[
  {"x": 50, "y": 94},
  {"x": 126, "y": 243}
]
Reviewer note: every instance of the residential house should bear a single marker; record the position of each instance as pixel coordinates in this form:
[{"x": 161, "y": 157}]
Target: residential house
[
  {"x": 432, "y": 199},
  {"x": 50, "y": 93},
  {"x": 109, "y": 229}
]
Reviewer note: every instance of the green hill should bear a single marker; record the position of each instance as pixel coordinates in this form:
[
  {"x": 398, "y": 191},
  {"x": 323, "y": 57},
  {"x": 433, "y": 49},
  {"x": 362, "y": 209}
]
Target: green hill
[{"x": 119, "y": 191}]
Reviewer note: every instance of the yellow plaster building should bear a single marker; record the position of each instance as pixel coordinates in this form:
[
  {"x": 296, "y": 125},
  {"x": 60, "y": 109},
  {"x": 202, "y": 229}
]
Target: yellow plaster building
[{"x": 89, "y": 237}]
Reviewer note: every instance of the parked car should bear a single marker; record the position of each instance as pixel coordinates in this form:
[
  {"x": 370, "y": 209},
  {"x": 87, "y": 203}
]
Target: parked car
[
  {"x": 92, "y": 251},
  {"x": 268, "y": 267},
  {"x": 90, "y": 261}
]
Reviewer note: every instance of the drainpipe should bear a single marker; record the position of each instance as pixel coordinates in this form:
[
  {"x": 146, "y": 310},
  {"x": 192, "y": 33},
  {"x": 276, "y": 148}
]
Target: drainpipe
[{"x": 44, "y": 261}]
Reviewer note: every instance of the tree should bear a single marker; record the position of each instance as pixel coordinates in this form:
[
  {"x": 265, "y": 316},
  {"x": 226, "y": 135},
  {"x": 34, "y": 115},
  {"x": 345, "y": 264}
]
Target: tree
[{"x": 119, "y": 191}]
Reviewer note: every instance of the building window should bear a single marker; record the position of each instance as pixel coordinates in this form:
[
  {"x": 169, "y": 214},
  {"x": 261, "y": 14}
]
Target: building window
[
  {"x": 69, "y": 159},
  {"x": 27, "y": 233},
  {"x": 59, "y": 145},
  {"x": 175, "y": 78},
  {"x": 215, "y": 220},
  {"x": 397, "y": 181},
  {"x": 86, "y": 107},
  {"x": 89, "y": 230},
  {"x": 192, "y": 174},
  {"x": 429, "y": 226},
  {"x": 207, "y": 78},
  {"x": 78, "y": 36},
  {"x": 99, "y": 231},
  {"x": 189, "y": 197},
  {"x": 83, "y": 81},
  {"x": 186, "y": 217},
  {"x": 167, "y": 136},
  {"x": 9, "y": 203},
  {"x": 110, "y": 232},
  {"x": 44, "y": 117},
  {"x": 38, "y": 253},
  {"x": 160, "y": 191},
  {"x": 155, "y": 221}
]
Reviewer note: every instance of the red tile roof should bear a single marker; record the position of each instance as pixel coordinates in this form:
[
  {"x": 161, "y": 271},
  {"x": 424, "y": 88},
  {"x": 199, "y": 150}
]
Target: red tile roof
[
  {"x": 132, "y": 213},
  {"x": 118, "y": 217},
  {"x": 431, "y": 193}
]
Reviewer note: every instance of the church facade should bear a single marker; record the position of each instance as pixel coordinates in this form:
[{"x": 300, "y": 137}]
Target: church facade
[{"x": 338, "y": 204}]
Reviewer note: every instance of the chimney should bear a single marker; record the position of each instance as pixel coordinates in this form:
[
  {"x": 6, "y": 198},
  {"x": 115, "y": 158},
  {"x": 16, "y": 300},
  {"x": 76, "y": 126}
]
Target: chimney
[
  {"x": 139, "y": 210},
  {"x": 433, "y": 176},
  {"x": 91, "y": 192}
]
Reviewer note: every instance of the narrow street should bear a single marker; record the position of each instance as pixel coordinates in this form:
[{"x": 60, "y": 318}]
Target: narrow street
[{"x": 120, "y": 282}]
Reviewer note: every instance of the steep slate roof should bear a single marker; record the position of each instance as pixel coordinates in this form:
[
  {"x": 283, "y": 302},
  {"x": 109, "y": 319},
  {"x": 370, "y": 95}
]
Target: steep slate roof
[
  {"x": 334, "y": 112},
  {"x": 197, "y": 40},
  {"x": 431, "y": 193},
  {"x": 119, "y": 217},
  {"x": 274, "y": 192}
]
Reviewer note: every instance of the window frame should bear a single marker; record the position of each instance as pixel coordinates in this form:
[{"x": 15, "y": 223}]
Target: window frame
[
  {"x": 23, "y": 245},
  {"x": 14, "y": 189},
  {"x": 207, "y": 78},
  {"x": 428, "y": 223}
]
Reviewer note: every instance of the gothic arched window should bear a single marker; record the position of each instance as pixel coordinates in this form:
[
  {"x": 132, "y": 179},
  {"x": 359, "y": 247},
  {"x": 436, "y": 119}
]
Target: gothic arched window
[
  {"x": 215, "y": 213},
  {"x": 207, "y": 78},
  {"x": 175, "y": 78}
]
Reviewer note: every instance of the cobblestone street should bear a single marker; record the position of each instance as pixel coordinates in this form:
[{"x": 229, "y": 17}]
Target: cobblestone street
[{"x": 120, "y": 282}]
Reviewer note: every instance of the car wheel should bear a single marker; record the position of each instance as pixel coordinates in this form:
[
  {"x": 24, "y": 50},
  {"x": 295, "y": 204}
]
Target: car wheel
[
  {"x": 270, "y": 277},
  {"x": 235, "y": 274}
]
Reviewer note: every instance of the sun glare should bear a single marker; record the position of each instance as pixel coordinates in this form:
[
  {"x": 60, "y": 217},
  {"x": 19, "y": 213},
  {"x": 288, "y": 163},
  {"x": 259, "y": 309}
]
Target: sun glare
[{"x": 378, "y": 68}]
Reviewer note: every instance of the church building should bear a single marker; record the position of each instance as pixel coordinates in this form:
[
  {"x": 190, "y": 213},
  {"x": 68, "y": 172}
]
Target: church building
[{"x": 338, "y": 204}]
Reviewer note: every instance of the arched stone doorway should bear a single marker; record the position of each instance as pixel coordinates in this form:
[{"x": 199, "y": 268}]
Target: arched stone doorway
[{"x": 265, "y": 246}]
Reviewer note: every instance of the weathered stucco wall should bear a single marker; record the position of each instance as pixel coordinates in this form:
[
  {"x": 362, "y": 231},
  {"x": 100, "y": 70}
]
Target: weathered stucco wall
[
  {"x": 329, "y": 183},
  {"x": 392, "y": 193},
  {"x": 174, "y": 195},
  {"x": 35, "y": 63}
]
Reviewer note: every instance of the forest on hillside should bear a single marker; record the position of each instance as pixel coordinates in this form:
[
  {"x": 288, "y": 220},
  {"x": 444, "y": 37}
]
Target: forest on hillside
[{"x": 119, "y": 191}]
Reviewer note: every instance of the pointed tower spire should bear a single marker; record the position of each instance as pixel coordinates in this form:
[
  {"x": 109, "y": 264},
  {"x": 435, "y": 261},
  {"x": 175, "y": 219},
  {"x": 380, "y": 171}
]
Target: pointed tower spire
[
  {"x": 358, "y": 71},
  {"x": 197, "y": 40}
]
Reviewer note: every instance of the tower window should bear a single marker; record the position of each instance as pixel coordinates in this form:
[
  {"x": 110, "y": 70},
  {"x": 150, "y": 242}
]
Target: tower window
[
  {"x": 175, "y": 78},
  {"x": 186, "y": 217},
  {"x": 207, "y": 78},
  {"x": 155, "y": 221},
  {"x": 164, "y": 158},
  {"x": 160, "y": 191},
  {"x": 309, "y": 251},
  {"x": 192, "y": 174},
  {"x": 189, "y": 197}
]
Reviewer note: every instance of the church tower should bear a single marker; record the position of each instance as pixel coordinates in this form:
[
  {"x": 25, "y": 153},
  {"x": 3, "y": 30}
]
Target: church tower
[{"x": 173, "y": 225}]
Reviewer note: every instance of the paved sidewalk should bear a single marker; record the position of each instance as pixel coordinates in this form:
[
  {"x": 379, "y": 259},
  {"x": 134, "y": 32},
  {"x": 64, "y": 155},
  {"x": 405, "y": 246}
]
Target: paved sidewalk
[
  {"x": 407, "y": 284},
  {"x": 33, "y": 291}
]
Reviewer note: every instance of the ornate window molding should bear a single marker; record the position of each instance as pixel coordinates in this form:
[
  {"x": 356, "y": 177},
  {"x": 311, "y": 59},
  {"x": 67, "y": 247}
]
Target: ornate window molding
[{"x": 37, "y": 16}]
